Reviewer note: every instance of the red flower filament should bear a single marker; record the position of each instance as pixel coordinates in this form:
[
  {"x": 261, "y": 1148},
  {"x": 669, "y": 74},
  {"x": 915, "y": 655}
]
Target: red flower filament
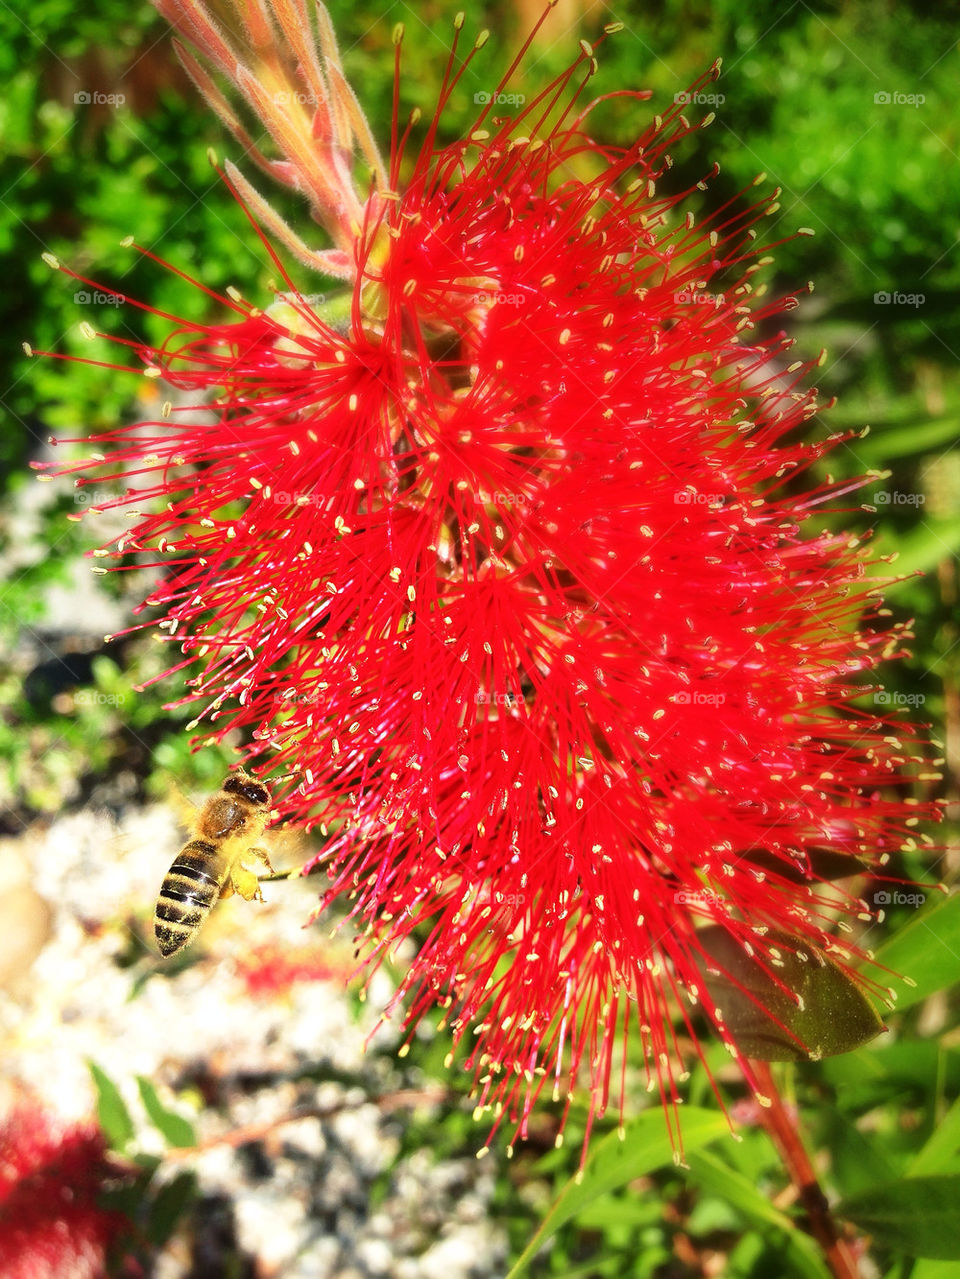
[{"x": 52, "y": 1178}]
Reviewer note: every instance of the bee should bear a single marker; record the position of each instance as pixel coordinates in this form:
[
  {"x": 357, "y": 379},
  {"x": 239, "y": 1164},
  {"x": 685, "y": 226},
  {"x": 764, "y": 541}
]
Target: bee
[{"x": 218, "y": 860}]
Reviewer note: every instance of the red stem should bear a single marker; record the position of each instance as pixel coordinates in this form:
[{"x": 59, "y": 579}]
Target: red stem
[{"x": 784, "y": 1134}]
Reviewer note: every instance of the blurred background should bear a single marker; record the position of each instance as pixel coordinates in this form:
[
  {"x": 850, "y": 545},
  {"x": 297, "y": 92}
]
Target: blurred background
[{"x": 349, "y": 1164}]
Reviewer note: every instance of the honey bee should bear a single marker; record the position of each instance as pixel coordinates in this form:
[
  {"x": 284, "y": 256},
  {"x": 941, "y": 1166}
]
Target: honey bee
[{"x": 218, "y": 860}]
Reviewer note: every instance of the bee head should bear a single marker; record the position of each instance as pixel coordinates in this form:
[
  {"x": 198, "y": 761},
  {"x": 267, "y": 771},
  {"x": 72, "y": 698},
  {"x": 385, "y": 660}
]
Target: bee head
[{"x": 245, "y": 785}]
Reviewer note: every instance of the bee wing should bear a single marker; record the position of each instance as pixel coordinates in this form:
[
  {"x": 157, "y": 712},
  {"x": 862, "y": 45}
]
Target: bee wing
[
  {"x": 184, "y": 808},
  {"x": 288, "y": 848}
]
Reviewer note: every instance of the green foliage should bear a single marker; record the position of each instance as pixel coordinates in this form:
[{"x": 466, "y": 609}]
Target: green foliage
[
  {"x": 918, "y": 1215},
  {"x": 112, "y": 1111},
  {"x": 169, "y": 1206},
  {"x": 941, "y": 1153},
  {"x": 616, "y": 1161},
  {"x": 798, "y": 1254},
  {"x": 175, "y": 1130},
  {"x": 118, "y": 1124},
  {"x": 926, "y": 951},
  {"x": 157, "y": 1205}
]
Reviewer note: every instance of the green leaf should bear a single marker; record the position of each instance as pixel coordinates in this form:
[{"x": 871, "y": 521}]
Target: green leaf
[
  {"x": 176, "y": 1130},
  {"x": 800, "y": 1254},
  {"x": 920, "y": 550},
  {"x": 901, "y": 1068},
  {"x": 927, "y": 951},
  {"x": 917, "y": 1215},
  {"x": 858, "y": 1160},
  {"x": 885, "y": 443},
  {"x": 941, "y": 1146},
  {"x": 111, "y": 1110},
  {"x": 613, "y": 1163},
  {"x": 925, "y": 1269},
  {"x": 171, "y": 1201},
  {"x": 127, "y": 1197},
  {"x": 834, "y": 1014}
]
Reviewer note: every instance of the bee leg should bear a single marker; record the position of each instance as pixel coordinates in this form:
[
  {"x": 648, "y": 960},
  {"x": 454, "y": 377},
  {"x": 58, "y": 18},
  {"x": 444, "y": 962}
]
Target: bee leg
[
  {"x": 245, "y": 879},
  {"x": 245, "y": 883}
]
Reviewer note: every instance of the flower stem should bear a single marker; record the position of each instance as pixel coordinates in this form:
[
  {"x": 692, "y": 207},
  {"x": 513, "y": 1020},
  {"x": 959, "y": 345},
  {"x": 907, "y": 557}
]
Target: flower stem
[{"x": 783, "y": 1131}]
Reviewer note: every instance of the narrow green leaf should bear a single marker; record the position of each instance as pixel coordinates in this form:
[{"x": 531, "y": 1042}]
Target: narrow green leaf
[
  {"x": 127, "y": 1198},
  {"x": 927, "y": 951},
  {"x": 613, "y": 1163},
  {"x": 925, "y": 1269},
  {"x": 883, "y": 444},
  {"x": 171, "y": 1202},
  {"x": 941, "y": 1146},
  {"x": 600, "y": 1268},
  {"x": 921, "y": 549},
  {"x": 858, "y": 1160},
  {"x": 176, "y": 1130},
  {"x": 801, "y": 1255},
  {"x": 834, "y": 1014},
  {"x": 917, "y": 1215},
  {"x": 111, "y": 1110}
]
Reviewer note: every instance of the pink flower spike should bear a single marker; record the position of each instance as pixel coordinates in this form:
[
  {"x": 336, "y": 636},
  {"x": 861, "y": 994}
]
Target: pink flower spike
[{"x": 286, "y": 67}]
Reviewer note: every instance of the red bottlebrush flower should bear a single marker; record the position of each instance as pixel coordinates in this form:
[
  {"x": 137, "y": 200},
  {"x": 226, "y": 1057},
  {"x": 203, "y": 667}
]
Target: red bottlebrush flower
[
  {"x": 52, "y": 1224},
  {"x": 511, "y": 555},
  {"x": 271, "y": 971}
]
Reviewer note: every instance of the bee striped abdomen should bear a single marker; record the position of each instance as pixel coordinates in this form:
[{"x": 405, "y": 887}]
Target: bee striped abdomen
[{"x": 189, "y": 890}]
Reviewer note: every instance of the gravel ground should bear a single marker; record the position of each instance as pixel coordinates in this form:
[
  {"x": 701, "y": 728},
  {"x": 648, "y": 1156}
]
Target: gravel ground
[{"x": 320, "y": 1197}]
